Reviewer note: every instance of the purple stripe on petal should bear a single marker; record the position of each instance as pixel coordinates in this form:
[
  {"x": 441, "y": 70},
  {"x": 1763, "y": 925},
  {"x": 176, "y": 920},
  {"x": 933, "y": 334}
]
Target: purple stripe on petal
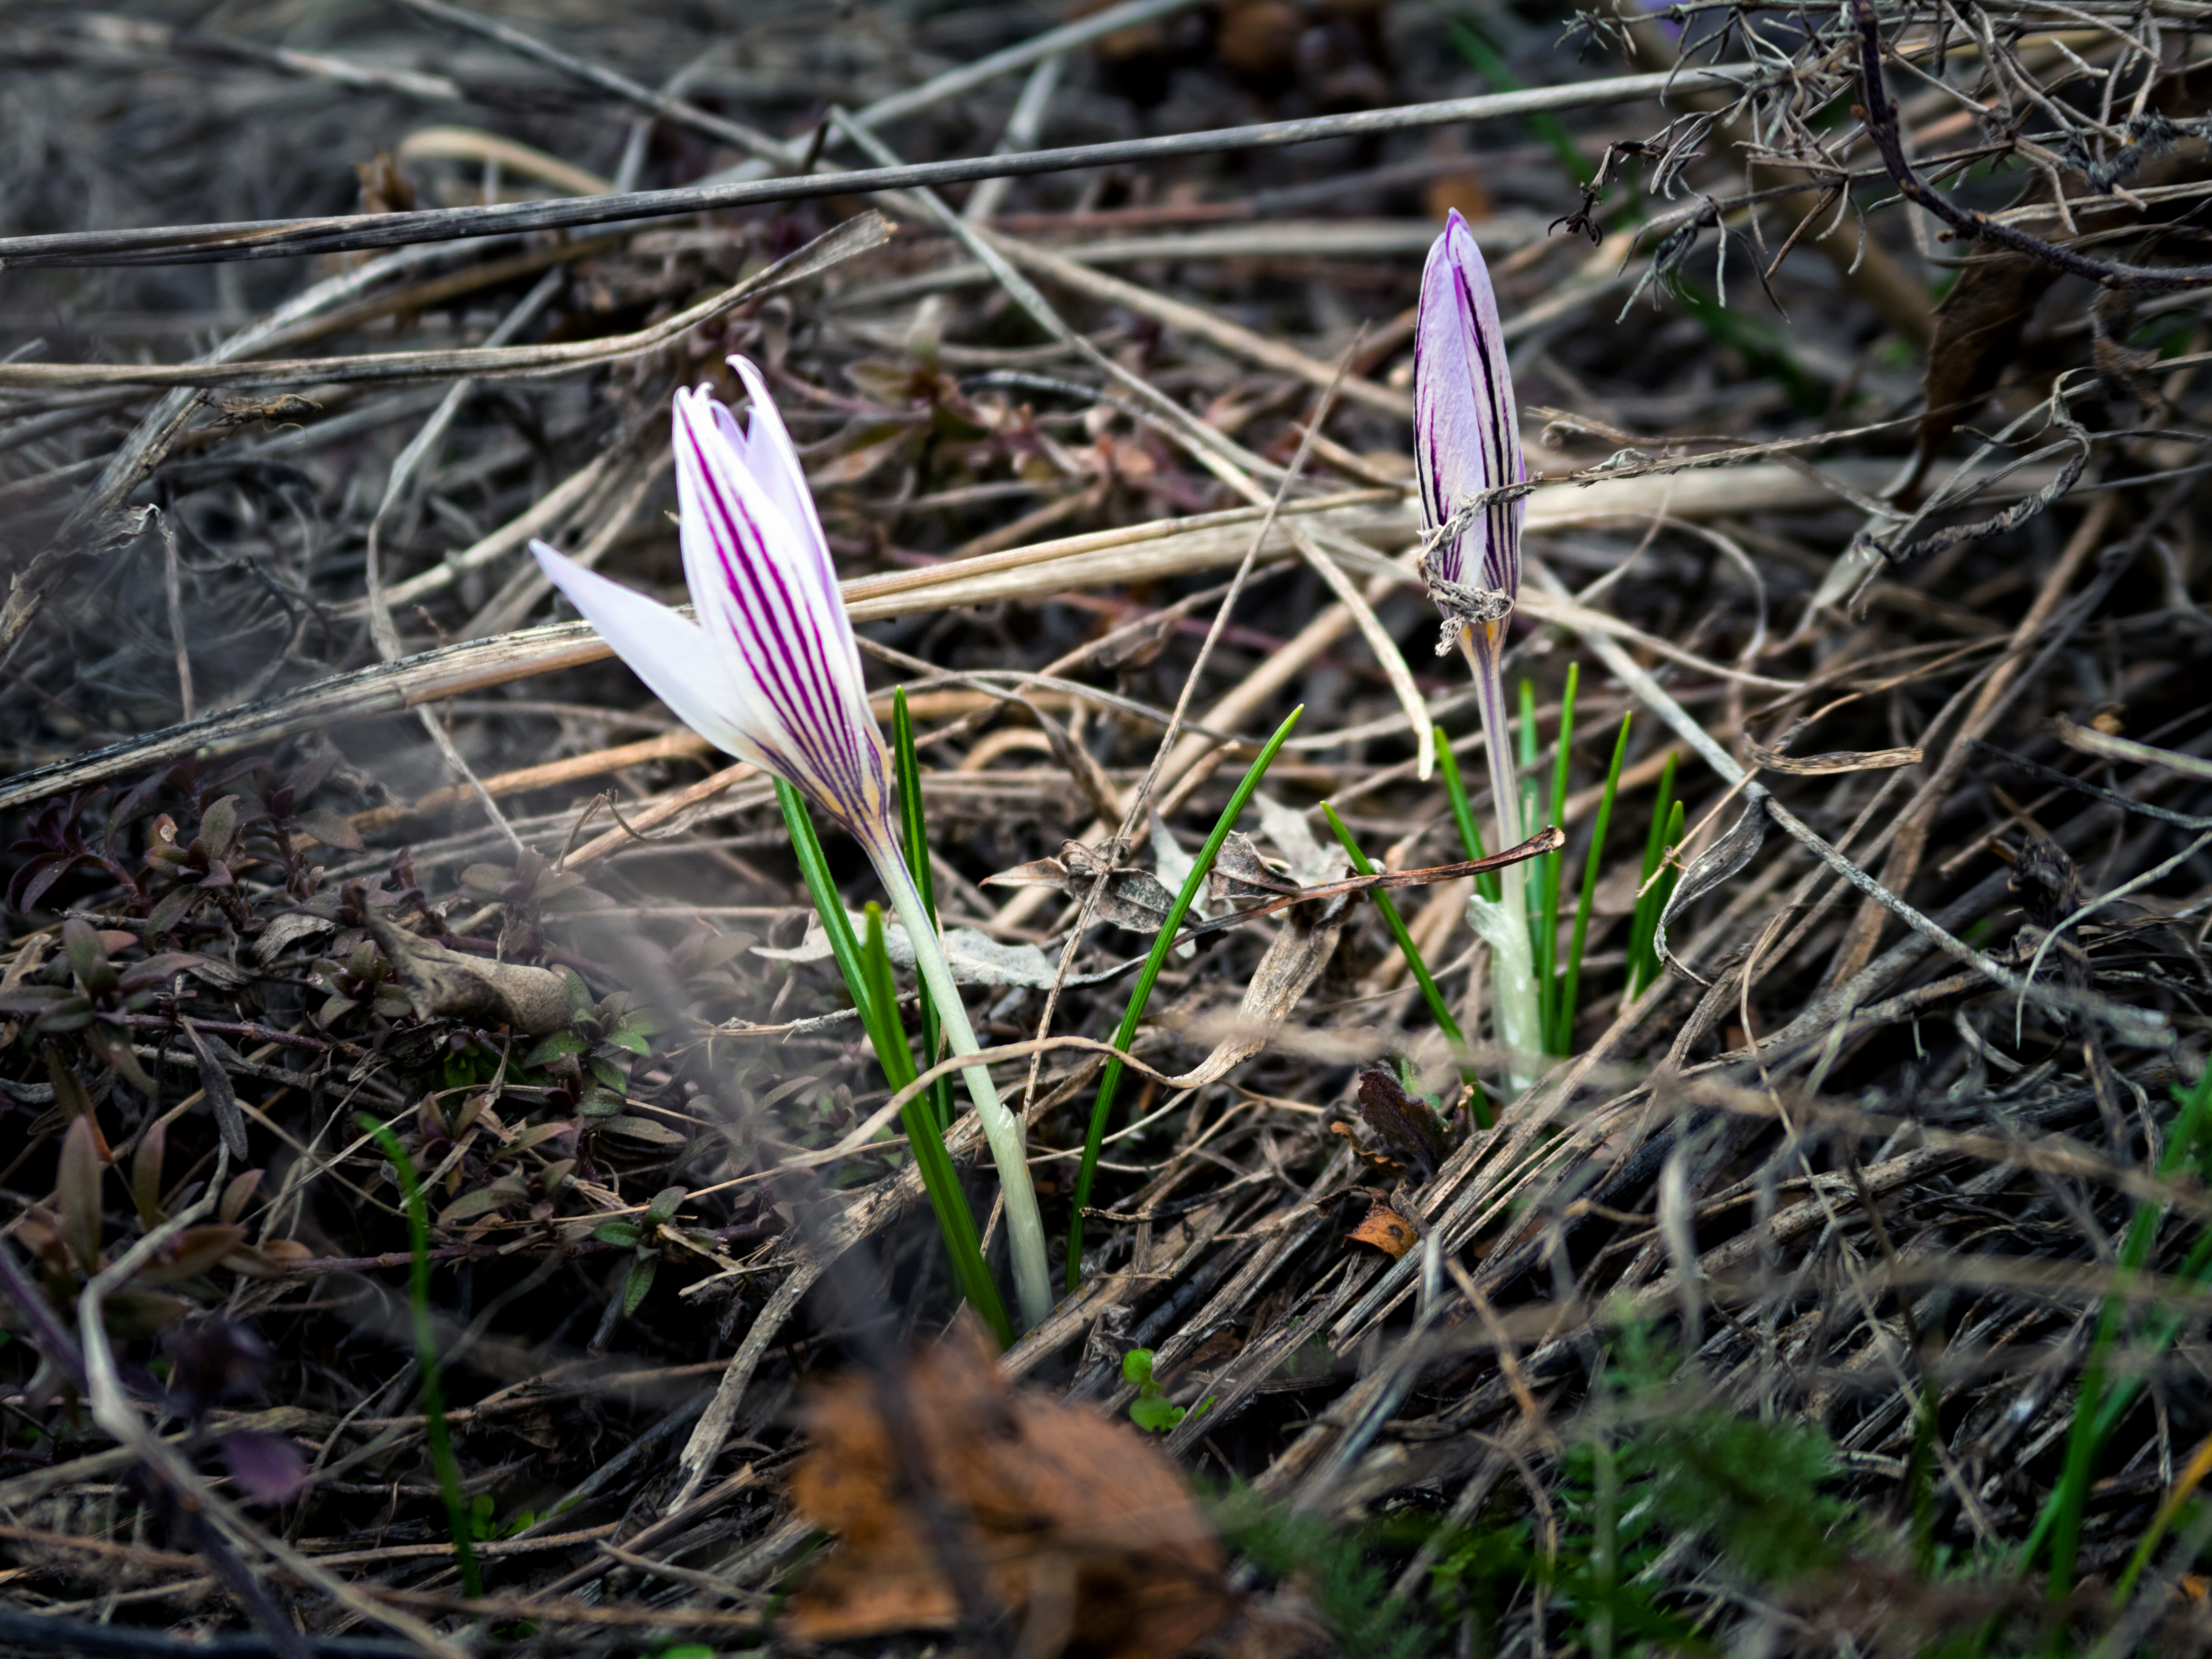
[
  {"x": 761, "y": 578},
  {"x": 1467, "y": 426}
]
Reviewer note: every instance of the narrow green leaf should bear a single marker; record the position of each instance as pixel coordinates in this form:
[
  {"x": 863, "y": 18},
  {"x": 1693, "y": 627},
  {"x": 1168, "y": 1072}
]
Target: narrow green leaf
[
  {"x": 956, "y": 1221},
  {"x": 814, "y": 871},
  {"x": 1547, "y": 942},
  {"x": 1439, "y": 1009},
  {"x": 1463, "y": 813},
  {"x": 907, "y": 762},
  {"x": 879, "y": 1005},
  {"x": 1110, "y": 1080},
  {"x": 1571, "y": 992},
  {"x": 1645, "y": 919},
  {"x": 2062, "y": 1517},
  {"x": 426, "y": 1353}
]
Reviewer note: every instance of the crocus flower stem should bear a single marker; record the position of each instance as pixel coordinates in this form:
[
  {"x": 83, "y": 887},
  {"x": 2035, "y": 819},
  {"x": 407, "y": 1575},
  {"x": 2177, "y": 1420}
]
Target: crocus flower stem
[
  {"x": 1002, "y": 1131},
  {"x": 1516, "y": 1004}
]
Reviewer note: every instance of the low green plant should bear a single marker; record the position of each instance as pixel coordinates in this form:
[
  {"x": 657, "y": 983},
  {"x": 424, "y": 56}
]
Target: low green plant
[
  {"x": 1644, "y": 1476},
  {"x": 1337, "y": 1568},
  {"x": 485, "y": 1525},
  {"x": 1151, "y": 1410}
]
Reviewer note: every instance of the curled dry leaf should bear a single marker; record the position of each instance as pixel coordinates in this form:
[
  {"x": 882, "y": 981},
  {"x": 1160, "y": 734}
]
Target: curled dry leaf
[
  {"x": 439, "y": 982},
  {"x": 1293, "y": 960},
  {"x": 1076, "y": 1526},
  {"x": 1385, "y": 1229},
  {"x": 1133, "y": 899},
  {"x": 1408, "y": 1129},
  {"x": 1241, "y": 875},
  {"x": 975, "y": 957}
]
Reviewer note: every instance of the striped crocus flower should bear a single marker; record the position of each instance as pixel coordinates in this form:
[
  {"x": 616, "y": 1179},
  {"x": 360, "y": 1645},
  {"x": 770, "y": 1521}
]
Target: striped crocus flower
[
  {"x": 1467, "y": 440},
  {"x": 769, "y": 673},
  {"x": 1466, "y": 444}
]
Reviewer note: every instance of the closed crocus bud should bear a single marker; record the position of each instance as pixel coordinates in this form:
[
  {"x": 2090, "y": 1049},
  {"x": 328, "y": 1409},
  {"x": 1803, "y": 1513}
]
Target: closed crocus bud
[{"x": 1467, "y": 441}]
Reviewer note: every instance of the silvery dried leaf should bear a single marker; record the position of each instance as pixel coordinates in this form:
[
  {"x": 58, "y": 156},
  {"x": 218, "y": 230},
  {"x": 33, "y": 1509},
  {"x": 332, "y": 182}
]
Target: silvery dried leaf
[
  {"x": 975, "y": 958},
  {"x": 1310, "y": 862},
  {"x": 1173, "y": 864},
  {"x": 1723, "y": 859}
]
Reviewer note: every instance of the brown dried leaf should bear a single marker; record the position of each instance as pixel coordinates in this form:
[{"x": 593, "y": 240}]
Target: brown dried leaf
[
  {"x": 533, "y": 1000},
  {"x": 1294, "y": 961},
  {"x": 1076, "y": 1525},
  {"x": 1978, "y": 332},
  {"x": 1387, "y": 1231},
  {"x": 384, "y": 188},
  {"x": 194, "y": 1251},
  {"x": 146, "y": 1174},
  {"x": 1407, "y": 1128}
]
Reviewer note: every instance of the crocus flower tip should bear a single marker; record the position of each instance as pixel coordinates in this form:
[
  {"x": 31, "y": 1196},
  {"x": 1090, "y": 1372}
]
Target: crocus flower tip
[
  {"x": 1467, "y": 441},
  {"x": 769, "y": 671}
]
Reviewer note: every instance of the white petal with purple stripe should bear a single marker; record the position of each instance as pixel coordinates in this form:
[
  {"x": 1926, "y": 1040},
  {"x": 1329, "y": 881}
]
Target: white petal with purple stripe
[{"x": 1466, "y": 431}]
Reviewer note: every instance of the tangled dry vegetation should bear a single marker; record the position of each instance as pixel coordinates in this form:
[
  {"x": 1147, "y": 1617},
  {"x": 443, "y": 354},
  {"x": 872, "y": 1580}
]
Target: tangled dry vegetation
[{"x": 1840, "y": 1284}]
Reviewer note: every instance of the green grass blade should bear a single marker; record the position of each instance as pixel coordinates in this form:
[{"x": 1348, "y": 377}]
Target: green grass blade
[
  {"x": 435, "y": 1428},
  {"x": 1662, "y": 891},
  {"x": 836, "y": 925},
  {"x": 2070, "y": 1496},
  {"x": 1646, "y": 918},
  {"x": 1110, "y": 1080},
  {"x": 1470, "y": 835},
  {"x": 956, "y": 1222},
  {"x": 876, "y": 995},
  {"x": 1439, "y": 1009},
  {"x": 908, "y": 765},
  {"x": 1547, "y": 943},
  {"x": 1562, "y": 1037}
]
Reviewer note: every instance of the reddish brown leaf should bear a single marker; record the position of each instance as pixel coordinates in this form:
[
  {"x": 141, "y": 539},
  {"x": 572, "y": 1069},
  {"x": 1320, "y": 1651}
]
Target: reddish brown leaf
[
  {"x": 1387, "y": 1231},
  {"x": 1078, "y": 1526}
]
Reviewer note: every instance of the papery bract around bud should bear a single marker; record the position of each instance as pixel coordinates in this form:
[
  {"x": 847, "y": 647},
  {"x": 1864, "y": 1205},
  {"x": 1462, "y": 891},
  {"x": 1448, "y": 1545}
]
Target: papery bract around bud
[
  {"x": 768, "y": 671},
  {"x": 1467, "y": 440}
]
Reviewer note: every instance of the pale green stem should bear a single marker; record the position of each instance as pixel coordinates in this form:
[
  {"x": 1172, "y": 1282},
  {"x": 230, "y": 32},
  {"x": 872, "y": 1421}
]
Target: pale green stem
[
  {"x": 1517, "y": 1010},
  {"x": 1002, "y": 1130}
]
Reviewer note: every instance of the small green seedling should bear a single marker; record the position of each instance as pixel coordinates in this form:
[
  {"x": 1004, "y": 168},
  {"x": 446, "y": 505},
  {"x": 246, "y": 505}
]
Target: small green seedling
[{"x": 1151, "y": 1410}]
